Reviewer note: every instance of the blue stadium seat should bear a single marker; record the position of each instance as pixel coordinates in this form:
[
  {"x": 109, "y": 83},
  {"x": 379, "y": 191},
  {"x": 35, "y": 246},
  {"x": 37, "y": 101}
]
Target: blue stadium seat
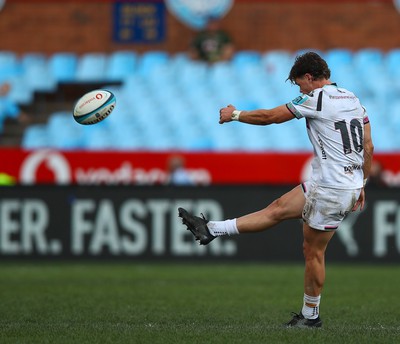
[
  {"x": 391, "y": 67},
  {"x": 344, "y": 77},
  {"x": 158, "y": 137},
  {"x": 35, "y": 136},
  {"x": 9, "y": 65},
  {"x": 92, "y": 67},
  {"x": 369, "y": 55},
  {"x": 97, "y": 137},
  {"x": 385, "y": 139},
  {"x": 178, "y": 61},
  {"x": 127, "y": 135},
  {"x": 151, "y": 60},
  {"x": 191, "y": 75},
  {"x": 391, "y": 62},
  {"x": 244, "y": 58},
  {"x": 63, "y": 66},
  {"x": 63, "y": 132},
  {"x": 121, "y": 64},
  {"x": 32, "y": 59},
  {"x": 135, "y": 88},
  {"x": 39, "y": 78},
  {"x": 20, "y": 92},
  {"x": 277, "y": 64},
  {"x": 366, "y": 59},
  {"x": 338, "y": 57},
  {"x": 36, "y": 73}
]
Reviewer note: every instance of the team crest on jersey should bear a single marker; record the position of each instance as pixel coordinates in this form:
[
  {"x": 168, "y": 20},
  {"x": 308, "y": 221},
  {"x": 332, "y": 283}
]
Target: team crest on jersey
[{"x": 300, "y": 100}]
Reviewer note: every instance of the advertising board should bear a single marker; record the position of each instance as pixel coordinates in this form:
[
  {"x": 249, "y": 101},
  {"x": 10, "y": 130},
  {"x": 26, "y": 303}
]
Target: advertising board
[{"x": 142, "y": 223}]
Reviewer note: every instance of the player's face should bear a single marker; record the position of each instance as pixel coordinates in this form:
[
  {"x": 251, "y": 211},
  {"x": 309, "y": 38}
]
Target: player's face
[{"x": 305, "y": 83}]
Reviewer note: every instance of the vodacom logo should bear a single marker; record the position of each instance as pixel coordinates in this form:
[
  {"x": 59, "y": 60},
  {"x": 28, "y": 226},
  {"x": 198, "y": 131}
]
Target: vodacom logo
[{"x": 53, "y": 160}]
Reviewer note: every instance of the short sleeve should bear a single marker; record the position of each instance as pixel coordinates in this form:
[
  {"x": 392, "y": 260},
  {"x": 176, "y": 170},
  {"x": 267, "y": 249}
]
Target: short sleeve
[{"x": 303, "y": 106}]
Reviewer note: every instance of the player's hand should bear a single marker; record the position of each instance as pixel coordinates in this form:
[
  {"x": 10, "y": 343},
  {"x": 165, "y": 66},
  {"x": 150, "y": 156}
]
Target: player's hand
[
  {"x": 360, "y": 202},
  {"x": 225, "y": 114}
]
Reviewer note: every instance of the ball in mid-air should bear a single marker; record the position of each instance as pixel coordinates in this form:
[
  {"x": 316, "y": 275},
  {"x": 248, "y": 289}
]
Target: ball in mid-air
[{"x": 94, "y": 106}]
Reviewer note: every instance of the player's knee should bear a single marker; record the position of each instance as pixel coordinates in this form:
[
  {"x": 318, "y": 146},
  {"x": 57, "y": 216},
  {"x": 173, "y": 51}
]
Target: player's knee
[
  {"x": 312, "y": 253},
  {"x": 279, "y": 210}
]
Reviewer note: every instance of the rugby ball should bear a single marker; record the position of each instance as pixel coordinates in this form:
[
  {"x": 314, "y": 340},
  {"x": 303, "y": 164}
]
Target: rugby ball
[{"x": 94, "y": 106}]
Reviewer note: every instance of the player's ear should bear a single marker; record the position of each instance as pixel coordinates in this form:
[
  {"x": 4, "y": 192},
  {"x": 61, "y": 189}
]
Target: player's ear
[{"x": 308, "y": 77}]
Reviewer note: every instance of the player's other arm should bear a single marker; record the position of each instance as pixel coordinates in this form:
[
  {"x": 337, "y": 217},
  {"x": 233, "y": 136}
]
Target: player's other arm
[
  {"x": 279, "y": 114},
  {"x": 368, "y": 150}
]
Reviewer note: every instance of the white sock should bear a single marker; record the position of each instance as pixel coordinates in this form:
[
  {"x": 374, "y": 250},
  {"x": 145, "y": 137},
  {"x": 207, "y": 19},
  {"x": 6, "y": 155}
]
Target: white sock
[
  {"x": 311, "y": 306},
  {"x": 227, "y": 227}
]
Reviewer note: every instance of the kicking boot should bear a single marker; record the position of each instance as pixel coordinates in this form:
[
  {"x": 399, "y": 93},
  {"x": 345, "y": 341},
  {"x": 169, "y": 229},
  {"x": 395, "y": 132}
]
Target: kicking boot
[{"x": 197, "y": 225}]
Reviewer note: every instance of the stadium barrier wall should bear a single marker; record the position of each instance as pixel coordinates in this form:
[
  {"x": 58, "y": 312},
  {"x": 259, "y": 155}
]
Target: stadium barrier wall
[{"x": 141, "y": 224}]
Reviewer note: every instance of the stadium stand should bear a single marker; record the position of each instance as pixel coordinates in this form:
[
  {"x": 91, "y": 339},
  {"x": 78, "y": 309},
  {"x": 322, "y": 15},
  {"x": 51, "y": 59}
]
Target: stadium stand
[{"x": 171, "y": 102}]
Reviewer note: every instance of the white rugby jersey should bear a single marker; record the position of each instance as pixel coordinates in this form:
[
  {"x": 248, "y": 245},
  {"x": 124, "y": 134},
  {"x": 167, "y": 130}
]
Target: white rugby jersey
[{"x": 335, "y": 122}]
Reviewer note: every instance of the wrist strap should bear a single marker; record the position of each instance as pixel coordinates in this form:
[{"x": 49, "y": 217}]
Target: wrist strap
[{"x": 235, "y": 115}]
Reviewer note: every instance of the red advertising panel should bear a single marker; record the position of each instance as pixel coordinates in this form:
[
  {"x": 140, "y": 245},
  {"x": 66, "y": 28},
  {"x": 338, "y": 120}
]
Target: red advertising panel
[{"x": 147, "y": 168}]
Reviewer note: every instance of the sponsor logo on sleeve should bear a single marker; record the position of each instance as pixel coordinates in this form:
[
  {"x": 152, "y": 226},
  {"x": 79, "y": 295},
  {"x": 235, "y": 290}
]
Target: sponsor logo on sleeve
[{"x": 300, "y": 100}]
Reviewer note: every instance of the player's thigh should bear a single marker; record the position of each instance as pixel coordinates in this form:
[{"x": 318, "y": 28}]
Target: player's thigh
[
  {"x": 291, "y": 204},
  {"x": 316, "y": 240},
  {"x": 288, "y": 206}
]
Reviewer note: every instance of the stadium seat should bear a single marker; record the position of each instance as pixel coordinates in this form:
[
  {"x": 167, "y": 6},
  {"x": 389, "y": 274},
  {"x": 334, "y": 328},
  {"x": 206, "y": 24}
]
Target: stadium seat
[
  {"x": 368, "y": 55},
  {"x": 391, "y": 62},
  {"x": 244, "y": 58},
  {"x": 121, "y": 64},
  {"x": 39, "y": 78},
  {"x": 97, "y": 137},
  {"x": 20, "y": 92},
  {"x": 148, "y": 61},
  {"x": 63, "y": 66},
  {"x": 391, "y": 67},
  {"x": 385, "y": 138},
  {"x": 191, "y": 75},
  {"x": 178, "y": 61},
  {"x": 134, "y": 88},
  {"x": 160, "y": 78},
  {"x": 92, "y": 67},
  {"x": 344, "y": 76},
  {"x": 337, "y": 58},
  {"x": 32, "y": 59},
  {"x": 9, "y": 65},
  {"x": 159, "y": 137},
  {"x": 277, "y": 64},
  {"x": 366, "y": 59},
  {"x": 126, "y": 134},
  {"x": 69, "y": 137},
  {"x": 35, "y": 70},
  {"x": 35, "y": 136}
]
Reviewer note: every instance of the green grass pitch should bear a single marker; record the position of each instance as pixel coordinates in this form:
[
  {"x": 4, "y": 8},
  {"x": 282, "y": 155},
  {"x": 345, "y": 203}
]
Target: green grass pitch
[{"x": 192, "y": 303}]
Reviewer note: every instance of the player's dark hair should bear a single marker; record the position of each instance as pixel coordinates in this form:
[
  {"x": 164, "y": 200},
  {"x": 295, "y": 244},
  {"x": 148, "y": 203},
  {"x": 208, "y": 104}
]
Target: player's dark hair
[{"x": 310, "y": 63}]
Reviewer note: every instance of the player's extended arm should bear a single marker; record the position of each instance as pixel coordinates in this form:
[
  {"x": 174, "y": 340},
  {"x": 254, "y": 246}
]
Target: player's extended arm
[
  {"x": 259, "y": 117},
  {"x": 368, "y": 152}
]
